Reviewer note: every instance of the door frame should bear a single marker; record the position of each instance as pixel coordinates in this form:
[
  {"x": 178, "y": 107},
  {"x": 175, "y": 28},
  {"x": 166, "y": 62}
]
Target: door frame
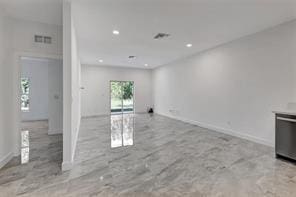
[{"x": 16, "y": 63}]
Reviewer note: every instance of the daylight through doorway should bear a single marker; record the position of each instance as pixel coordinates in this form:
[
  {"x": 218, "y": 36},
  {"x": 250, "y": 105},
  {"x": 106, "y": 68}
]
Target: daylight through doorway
[{"x": 122, "y": 97}]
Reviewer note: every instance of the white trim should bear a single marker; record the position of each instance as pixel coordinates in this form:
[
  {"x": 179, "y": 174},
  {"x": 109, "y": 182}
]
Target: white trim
[
  {"x": 94, "y": 115},
  {"x": 33, "y": 120},
  {"x": 67, "y": 166},
  {"x": 21, "y": 54},
  {"x": 17, "y": 153},
  {"x": 75, "y": 141},
  {"x": 221, "y": 130},
  {"x": 5, "y": 159},
  {"x": 55, "y": 132},
  {"x": 103, "y": 115}
]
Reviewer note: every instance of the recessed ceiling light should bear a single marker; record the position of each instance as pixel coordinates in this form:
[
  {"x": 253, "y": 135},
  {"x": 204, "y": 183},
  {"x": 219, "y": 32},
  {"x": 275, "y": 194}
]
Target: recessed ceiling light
[
  {"x": 101, "y": 61},
  {"x": 146, "y": 65},
  {"x": 115, "y": 32},
  {"x": 189, "y": 45}
]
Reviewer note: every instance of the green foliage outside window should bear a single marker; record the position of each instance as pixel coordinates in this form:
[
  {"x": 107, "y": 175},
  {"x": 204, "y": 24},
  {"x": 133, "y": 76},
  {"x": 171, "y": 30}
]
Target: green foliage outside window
[
  {"x": 122, "y": 96},
  {"x": 122, "y": 90},
  {"x": 25, "y": 100}
]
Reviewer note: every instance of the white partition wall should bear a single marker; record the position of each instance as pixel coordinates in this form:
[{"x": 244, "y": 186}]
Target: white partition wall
[
  {"x": 6, "y": 139},
  {"x": 71, "y": 88},
  {"x": 55, "y": 97}
]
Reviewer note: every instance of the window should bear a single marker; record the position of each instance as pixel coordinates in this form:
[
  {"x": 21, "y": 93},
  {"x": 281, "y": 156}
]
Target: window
[{"x": 25, "y": 100}]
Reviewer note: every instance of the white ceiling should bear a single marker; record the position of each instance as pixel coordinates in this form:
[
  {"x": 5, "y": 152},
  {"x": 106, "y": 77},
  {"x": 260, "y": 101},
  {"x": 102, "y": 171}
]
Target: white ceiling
[
  {"x": 45, "y": 11},
  {"x": 204, "y": 23}
]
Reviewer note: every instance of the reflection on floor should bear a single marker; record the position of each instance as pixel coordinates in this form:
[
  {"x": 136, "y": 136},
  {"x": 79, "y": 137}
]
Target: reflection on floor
[
  {"x": 168, "y": 158},
  {"x": 41, "y": 157},
  {"x": 122, "y": 130},
  {"x": 25, "y": 149}
]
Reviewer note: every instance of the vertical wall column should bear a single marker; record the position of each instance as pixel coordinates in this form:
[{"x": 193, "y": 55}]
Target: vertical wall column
[
  {"x": 67, "y": 88},
  {"x": 6, "y": 148},
  {"x": 71, "y": 87}
]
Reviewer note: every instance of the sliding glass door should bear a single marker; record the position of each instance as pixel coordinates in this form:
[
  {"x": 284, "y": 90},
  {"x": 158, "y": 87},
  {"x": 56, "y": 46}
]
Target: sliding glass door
[{"x": 122, "y": 96}]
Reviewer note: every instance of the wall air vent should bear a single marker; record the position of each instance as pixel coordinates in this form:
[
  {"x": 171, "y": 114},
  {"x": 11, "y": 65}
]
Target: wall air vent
[
  {"x": 161, "y": 36},
  {"x": 131, "y": 57},
  {"x": 47, "y": 39},
  {"x": 43, "y": 39},
  {"x": 38, "y": 38}
]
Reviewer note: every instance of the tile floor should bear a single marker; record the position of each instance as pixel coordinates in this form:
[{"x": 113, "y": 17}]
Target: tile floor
[{"x": 147, "y": 155}]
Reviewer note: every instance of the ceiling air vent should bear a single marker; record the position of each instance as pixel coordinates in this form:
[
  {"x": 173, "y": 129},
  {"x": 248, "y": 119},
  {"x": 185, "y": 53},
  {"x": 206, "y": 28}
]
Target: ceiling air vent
[
  {"x": 43, "y": 39},
  {"x": 161, "y": 36}
]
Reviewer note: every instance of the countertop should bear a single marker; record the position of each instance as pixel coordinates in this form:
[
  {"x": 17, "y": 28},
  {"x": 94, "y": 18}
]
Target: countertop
[{"x": 285, "y": 111}]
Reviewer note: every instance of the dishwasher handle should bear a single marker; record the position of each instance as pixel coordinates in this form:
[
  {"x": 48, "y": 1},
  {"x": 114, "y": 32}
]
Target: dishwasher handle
[{"x": 286, "y": 119}]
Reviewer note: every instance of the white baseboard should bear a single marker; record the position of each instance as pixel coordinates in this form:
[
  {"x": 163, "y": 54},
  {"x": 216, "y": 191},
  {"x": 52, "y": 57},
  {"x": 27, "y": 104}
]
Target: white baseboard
[
  {"x": 17, "y": 150},
  {"x": 103, "y": 115},
  {"x": 75, "y": 143},
  {"x": 94, "y": 116},
  {"x": 222, "y": 130},
  {"x": 33, "y": 120},
  {"x": 55, "y": 132},
  {"x": 67, "y": 166},
  {"x": 4, "y": 160}
]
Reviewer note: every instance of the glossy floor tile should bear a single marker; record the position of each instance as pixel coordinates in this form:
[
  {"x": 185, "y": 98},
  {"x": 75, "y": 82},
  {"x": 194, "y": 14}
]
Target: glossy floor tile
[
  {"x": 164, "y": 157},
  {"x": 122, "y": 130},
  {"x": 41, "y": 157}
]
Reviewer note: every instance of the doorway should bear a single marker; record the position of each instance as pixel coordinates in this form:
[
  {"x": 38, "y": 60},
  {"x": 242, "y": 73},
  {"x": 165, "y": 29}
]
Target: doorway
[
  {"x": 122, "y": 97},
  {"x": 41, "y": 96}
]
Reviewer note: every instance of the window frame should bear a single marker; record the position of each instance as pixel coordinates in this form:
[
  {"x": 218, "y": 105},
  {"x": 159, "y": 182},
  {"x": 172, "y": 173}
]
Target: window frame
[{"x": 27, "y": 94}]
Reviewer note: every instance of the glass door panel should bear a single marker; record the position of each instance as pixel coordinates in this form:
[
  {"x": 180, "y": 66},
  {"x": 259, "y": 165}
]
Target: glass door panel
[
  {"x": 122, "y": 96},
  {"x": 128, "y": 96},
  {"x": 116, "y": 97}
]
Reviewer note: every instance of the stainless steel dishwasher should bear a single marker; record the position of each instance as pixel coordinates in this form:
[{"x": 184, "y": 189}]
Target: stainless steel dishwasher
[{"x": 285, "y": 136}]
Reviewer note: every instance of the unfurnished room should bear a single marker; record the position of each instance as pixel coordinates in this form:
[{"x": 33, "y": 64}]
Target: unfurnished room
[{"x": 144, "y": 98}]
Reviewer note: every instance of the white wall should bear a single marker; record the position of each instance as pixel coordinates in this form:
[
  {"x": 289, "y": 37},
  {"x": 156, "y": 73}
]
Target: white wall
[
  {"x": 6, "y": 139},
  {"x": 96, "y": 92},
  {"x": 23, "y": 37},
  {"x": 234, "y": 87},
  {"x": 36, "y": 70},
  {"x": 46, "y": 91},
  {"x": 71, "y": 87},
  {"x": 67, "y": 87},
  {"x": 294, "y": 80},
  {"x": 55, "y": 97},
  {"x": 76, "y": 101},
  {"x": 18, "y": 42},
  {"x": 21, "y": 44}
]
